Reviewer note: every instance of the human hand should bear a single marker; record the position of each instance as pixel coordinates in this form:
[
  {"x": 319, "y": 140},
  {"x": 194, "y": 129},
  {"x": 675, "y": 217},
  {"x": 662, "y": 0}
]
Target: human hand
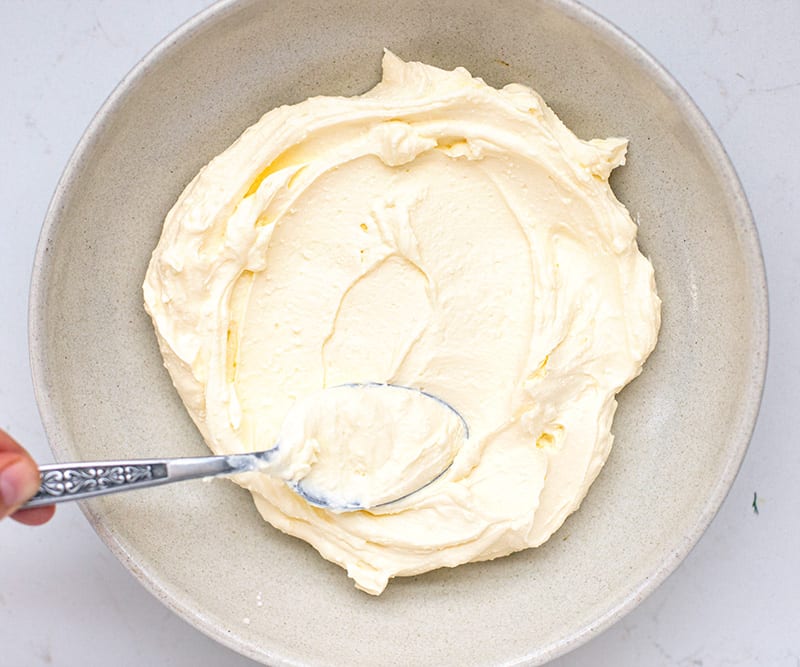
[{"x": 19, "y": 480}]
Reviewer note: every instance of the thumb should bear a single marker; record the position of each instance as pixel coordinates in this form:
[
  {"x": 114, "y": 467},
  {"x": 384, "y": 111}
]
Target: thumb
[{"x": 19, "y": 476}]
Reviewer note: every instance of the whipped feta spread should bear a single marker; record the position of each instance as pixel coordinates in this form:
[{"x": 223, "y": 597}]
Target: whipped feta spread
[{"x": 435, "y": 233}]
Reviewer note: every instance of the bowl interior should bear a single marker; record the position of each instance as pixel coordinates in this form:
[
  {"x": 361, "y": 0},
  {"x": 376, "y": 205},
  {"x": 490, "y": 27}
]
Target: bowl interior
[{"x": 681, "y": 428}]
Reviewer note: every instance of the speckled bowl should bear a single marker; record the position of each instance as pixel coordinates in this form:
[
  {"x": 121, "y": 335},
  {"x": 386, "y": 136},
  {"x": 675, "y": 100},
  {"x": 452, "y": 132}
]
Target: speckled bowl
[{"x": 682, "y": 426}]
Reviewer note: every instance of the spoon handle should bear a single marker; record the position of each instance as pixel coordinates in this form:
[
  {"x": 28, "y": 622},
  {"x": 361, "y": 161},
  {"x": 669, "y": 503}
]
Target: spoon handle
[{"x": 75, "y": 481}]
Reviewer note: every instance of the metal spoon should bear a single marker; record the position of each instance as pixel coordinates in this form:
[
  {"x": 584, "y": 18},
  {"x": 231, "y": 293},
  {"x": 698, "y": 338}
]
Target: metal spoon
[{"x": 340, "y": 488}]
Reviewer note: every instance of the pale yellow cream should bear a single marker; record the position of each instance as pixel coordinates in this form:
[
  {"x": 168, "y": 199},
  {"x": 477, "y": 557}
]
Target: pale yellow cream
[{"x": 434, "y": 232}]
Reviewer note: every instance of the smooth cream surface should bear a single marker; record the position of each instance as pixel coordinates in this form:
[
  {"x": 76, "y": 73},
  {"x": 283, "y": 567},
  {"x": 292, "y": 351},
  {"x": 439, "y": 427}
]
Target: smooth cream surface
[{"x": 437, "y": 233}]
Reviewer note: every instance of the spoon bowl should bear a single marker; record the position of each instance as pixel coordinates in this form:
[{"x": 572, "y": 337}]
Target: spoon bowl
[{"x": 373, "y": 444}]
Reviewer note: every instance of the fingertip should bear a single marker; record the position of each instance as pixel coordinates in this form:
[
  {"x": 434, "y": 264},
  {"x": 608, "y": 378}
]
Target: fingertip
[
  {"x": 19, "y": 480},
  {"x": 35, "y": 516},
  {"x": 8, "y": 444}
]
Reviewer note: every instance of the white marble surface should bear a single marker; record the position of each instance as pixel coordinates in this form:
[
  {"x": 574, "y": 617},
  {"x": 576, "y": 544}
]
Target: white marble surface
[{"x": 64, "y": 600}]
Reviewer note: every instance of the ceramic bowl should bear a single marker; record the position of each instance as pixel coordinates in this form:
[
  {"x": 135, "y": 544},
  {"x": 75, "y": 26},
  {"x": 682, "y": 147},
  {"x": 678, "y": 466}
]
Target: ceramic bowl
[{"x": 682, "y": 427}]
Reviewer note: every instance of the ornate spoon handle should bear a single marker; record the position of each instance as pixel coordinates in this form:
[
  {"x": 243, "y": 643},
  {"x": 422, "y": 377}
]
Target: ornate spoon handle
[{"x": 76, "y": 481}]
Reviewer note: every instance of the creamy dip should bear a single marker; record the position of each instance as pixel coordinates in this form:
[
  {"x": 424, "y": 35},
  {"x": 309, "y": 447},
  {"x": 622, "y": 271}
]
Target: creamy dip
[{"x": 436, "y": 233}]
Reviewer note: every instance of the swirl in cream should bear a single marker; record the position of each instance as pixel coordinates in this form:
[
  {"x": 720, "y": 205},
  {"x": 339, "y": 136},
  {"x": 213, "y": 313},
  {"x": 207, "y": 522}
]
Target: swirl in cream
[{"x": 434, "y": 232}]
